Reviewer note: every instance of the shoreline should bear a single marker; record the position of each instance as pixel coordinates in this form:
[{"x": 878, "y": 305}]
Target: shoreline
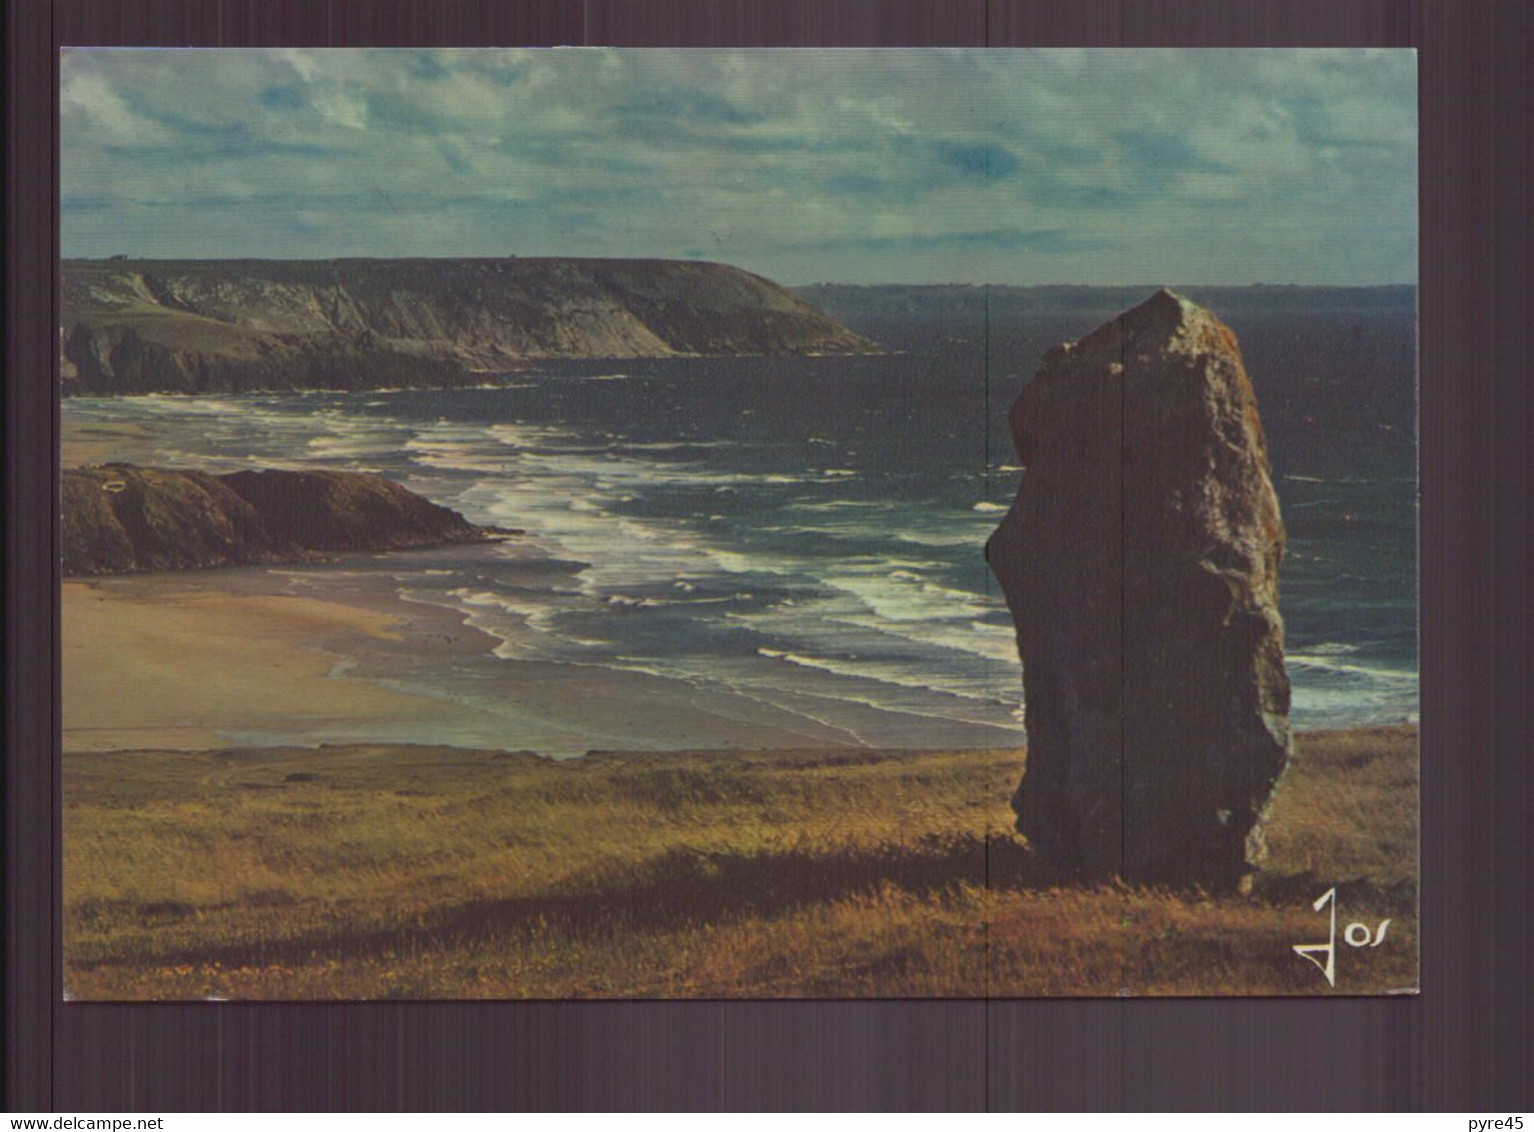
[
  {"x": 488, "y": 656},
  {"x": 287, "y": 656},
  {"x": 340, "y": 653}
]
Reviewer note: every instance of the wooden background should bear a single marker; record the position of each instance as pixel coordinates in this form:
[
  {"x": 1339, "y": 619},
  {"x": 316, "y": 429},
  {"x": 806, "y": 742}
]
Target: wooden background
[{"x": 1464, "y": 1044}]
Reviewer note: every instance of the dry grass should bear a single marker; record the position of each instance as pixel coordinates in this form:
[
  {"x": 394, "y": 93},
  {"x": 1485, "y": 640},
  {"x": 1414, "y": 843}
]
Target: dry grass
[
  {"x": 184, "y": 330},
  {"x": 424, "y": 872}
]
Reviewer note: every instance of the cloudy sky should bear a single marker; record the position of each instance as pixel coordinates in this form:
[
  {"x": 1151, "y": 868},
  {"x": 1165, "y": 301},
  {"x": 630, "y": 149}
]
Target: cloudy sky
[{"x": 1295, "y": 166}]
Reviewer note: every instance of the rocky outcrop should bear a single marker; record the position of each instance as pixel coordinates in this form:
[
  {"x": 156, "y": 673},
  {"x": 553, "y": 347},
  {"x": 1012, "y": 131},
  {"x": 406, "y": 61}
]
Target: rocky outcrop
[
  {"x": 1140, "y": 561},
  {"x": 139, "y": 326},
  {"x": 119, "y": 519}
]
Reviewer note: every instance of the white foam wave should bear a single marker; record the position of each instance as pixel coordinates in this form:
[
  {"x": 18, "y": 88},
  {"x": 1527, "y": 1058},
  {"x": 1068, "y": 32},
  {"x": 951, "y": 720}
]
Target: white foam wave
[
  {"x": 877, "y": 673},
  {"x": 846, "y": 504},
  {"x": 898, "y": 627},
  {"x": 1324, "y": 648},
  {"x": 926, "y": 538},
  {"x": 1377, "y": 674},
  {"x": 513, "y": 624}
]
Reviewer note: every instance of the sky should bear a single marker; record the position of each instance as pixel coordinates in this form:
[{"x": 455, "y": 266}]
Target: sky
[{"x": 858, "y": 166}]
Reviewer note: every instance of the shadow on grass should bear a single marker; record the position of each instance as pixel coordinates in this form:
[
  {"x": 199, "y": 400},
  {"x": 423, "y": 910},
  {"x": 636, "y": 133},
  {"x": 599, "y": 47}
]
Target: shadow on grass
[
  {"x": 1283, "y": 889},
  {"x": 679, "y": 889},
  {"x": 686, "y": 888}
]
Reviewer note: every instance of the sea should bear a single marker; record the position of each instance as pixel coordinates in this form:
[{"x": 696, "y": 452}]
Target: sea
[{"x": 809, "y": 530}]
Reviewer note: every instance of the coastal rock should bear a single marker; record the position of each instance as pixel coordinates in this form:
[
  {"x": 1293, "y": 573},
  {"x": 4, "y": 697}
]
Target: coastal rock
[
  {"x": 1140, "y": 563},
  {"x": 203, "y": 326},
  {"x": 118, "y": 518}
]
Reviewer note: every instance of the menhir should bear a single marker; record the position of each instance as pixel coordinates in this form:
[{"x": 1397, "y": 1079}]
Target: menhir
[{"x": 1140, "y": 563}]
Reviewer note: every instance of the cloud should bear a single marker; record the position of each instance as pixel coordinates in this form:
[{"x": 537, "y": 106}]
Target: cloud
[
  {"x": 978, "y": 161},
  {"x": 1049, "y": 240},
  {"x": 673, "y": 104},
  {"x": 907, "y": 165}
]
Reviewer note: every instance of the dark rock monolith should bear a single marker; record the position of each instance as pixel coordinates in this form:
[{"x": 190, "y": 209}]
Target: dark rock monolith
[{"x": 1140, "y": 562}]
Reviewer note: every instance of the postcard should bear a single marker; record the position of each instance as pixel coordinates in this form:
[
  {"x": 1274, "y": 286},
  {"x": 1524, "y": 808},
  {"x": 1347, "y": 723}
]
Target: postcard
[{"x": 614, "y": 523}]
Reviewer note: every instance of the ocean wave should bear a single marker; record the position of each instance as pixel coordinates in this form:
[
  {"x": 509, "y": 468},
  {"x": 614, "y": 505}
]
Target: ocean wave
[
  {"x": 674, "y": 445},
  {"x": 903, "y": 628},
  {"x": 739, "y": 562},
  {"x": 846, "y": 504},
  {"x": 930, "y": 538},
  {"x": 877, "y": 673},
  {"x": 994, "y": 643},
  {"x": 882, "y": 692},
  {"x": 899, "y": 594},
  {"x": 1383, "y": 676},
  {"x": 511, "y": 623},
  {"x": 1324, "y": 648},
  {"x": 664, "y": 576}
]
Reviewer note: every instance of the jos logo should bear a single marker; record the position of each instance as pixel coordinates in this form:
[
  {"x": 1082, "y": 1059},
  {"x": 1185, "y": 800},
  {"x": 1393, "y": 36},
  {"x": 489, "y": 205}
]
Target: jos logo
[{"x": 1354, "y": 935}]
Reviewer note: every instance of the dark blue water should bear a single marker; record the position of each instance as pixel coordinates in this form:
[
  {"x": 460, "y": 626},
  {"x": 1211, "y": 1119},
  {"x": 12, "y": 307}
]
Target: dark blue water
[{"x": 809, "y": 531}]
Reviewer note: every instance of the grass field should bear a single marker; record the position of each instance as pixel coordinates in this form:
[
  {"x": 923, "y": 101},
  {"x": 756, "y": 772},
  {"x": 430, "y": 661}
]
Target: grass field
[{"x": 432, "y": 872}]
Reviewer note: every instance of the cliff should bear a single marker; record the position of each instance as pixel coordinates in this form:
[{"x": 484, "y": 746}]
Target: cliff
[
  {"x": 119, "y": 519},
  {"x": 195, "y": 326}
]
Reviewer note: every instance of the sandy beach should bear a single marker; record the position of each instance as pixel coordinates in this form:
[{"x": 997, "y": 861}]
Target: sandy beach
[
  {"x": 151, "y": 663},
  {"x": 261, "y": 657},
  {"x": 333, "y": 653}
]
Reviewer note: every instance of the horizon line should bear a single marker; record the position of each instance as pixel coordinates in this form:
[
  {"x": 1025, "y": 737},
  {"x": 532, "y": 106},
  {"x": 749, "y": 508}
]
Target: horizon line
[{"x": 122, "y": 258}]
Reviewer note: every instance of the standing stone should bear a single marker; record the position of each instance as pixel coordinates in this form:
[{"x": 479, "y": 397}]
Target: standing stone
[{"x": 1140, "y": 563}]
